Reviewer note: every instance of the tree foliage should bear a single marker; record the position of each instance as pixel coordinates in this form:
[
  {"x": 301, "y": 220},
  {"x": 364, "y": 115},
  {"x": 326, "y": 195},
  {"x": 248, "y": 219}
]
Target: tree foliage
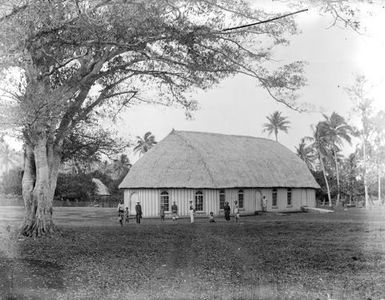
[
  {"x": 276, "y": 123},
  {"x": 78, "y": 187},
  {"x": 345, "y": 13},
  {"x": 319, "y": 142},
  {"x": 69, "y": 61},
  {"x": 121, "y": 49},
  {"x": 144, "y": 144},
  {"x": 363, "y": 107},
  {"x": 336, "y": 131},
  {"x": 306, "y": 153}
]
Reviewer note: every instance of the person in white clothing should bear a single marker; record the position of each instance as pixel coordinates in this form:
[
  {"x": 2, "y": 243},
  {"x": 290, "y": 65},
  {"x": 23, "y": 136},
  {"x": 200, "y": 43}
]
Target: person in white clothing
[
  {"x": 264, "y": 203},
  {"x": 191, "y": 212},
  {"x": 236, "y": 211}
]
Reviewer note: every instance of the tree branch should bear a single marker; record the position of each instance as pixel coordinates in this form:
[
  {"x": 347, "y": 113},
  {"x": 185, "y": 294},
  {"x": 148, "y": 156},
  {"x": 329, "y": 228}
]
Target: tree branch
[
  {"x": 15, "y": 11},
  {"x": 265, "y": 21}
]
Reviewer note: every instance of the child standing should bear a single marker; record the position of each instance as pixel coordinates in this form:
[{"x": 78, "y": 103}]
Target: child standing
[
  {"x": 174, "y": 210},
  {"x": 211, "y": 217},
  {"x": 120, "y": 212},
  {"x": 191, "y": 212},
  {"x": 162, "y": 212},
  {"x": 126, "y": 215},
  {"x": 236, "y": 211}
]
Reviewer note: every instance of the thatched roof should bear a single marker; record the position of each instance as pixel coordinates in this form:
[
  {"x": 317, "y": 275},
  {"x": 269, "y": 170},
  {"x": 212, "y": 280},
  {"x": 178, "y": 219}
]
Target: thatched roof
[
  {"x": 101, "y": 188},
  {"x": 207, "y": 160}
]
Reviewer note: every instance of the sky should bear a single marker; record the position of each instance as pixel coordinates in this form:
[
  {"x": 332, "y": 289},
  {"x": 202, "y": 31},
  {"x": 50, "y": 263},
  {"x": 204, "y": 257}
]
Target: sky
[{"x": 238, "y": 106}]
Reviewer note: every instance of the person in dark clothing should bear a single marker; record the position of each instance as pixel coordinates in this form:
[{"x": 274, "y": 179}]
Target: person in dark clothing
[
  {"x": 162, "y": 213},
  {"x": 174, "y": 210},
  {"x": 126, "y": 215},
  {"x": 138, "y": 209},
  {"x": 120, "y": 212},
  {"x": 227, "y": 210},
  {"x": 211, "y": 217}
]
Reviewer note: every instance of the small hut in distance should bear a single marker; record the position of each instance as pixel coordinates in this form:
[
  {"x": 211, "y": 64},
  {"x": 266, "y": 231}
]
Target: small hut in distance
[
  {"x": 101, "y": 193},
  {"x": 210, "y": 168}
]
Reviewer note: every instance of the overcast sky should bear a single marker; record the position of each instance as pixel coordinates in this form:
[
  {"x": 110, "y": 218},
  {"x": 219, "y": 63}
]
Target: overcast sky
[{"x": 239, "y": 106}]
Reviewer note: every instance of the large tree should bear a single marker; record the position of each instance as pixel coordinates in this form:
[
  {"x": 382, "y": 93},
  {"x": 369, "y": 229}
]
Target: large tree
[
  {"x": 84, "y": 147},
  {"x": 364, "y": 108},
  {"x": 319, "y": 142},
  {"x": 74, "y": 58},
  {"x": 336, "y": 132}
]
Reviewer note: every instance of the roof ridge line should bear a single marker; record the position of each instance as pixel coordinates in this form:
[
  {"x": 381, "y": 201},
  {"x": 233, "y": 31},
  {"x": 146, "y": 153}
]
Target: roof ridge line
[
  {"x": 224, "y": 134},
  {"x": 200, "y": 156}
]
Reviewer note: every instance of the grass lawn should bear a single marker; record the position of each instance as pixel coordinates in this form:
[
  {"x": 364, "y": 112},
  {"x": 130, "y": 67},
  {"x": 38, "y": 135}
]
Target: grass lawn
[{"x": 298, "y": 256}]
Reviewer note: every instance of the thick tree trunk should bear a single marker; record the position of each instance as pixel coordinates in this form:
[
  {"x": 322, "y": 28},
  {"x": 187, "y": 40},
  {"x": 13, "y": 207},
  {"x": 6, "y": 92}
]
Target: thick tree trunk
[
  {"x": 39, "y": 182},
  {"x": 28, "y": 184}
]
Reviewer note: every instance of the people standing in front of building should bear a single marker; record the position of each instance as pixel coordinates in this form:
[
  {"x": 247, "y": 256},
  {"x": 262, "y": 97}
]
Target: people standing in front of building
[
  {"x": 227, "y": 210},
  {"x": 120, "y": 212},
  {"x": 162, "y": 212},
  {"x": 138, "y": 210},
  {"x": 174, "y": 211},
  {"x": 236, "y": 211},
  {"x": 191, "y": 211},
  {"x": 126, "y": 215}
]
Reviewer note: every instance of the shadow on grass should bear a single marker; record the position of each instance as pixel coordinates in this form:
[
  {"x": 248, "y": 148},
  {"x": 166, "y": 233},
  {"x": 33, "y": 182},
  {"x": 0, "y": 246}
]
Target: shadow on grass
[{"x": 18, "y": 276}]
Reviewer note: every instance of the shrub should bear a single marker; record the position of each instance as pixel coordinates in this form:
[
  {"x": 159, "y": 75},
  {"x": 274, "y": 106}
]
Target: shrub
[{"x": 75, "y": 187}]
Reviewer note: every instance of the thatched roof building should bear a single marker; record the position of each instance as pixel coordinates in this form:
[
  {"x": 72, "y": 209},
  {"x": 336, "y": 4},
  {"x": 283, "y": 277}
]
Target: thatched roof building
[
  {"x": 208, "y": 160},
  {"x": 101, "y": 188}
]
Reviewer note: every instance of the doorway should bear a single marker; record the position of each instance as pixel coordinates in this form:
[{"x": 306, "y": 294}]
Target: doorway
[{"x": 258, "y": 200}]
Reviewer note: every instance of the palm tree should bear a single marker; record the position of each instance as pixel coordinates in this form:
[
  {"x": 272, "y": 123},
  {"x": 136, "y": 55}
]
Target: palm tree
[
  {"x": 336, "y": 132},
  {"x": 121, "y": 166},
  {"x": 320, "y": 145},
  {"x": 144, "y": 144},
  {"x": 276, "y": 123},
  {"x": 306, "y": 153}
]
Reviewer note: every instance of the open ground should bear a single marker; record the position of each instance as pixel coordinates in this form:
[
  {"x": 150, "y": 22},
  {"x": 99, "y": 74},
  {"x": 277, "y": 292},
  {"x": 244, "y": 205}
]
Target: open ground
[{"x": 300, "y": 256}]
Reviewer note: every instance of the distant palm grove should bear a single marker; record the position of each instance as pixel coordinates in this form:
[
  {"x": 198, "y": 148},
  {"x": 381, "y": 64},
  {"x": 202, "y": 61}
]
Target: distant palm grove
[{"x": 355, "y": 178}]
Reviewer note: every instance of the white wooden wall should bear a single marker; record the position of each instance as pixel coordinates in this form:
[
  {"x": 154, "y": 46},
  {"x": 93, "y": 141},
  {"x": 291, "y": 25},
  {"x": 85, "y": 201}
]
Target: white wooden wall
[{"x": 150, "y": 200}]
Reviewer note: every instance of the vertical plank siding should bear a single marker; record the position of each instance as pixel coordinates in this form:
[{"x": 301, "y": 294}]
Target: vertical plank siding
[{"x": 150, "y": 200}]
